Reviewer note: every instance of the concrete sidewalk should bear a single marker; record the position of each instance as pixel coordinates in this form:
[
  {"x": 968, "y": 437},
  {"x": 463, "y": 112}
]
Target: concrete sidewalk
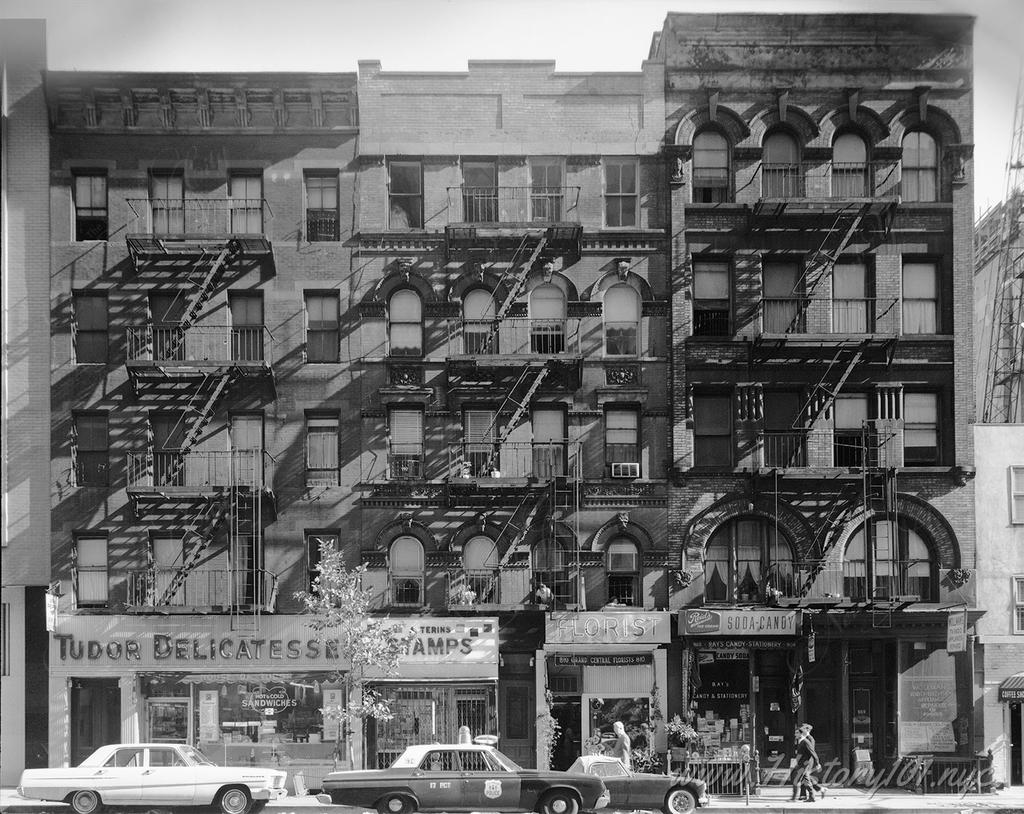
[{"x": 772, "y": 798}]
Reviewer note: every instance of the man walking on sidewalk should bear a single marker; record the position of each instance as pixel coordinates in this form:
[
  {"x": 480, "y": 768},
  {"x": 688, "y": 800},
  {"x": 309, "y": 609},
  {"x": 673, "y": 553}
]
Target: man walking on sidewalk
[{"x": 806, "y": 762}]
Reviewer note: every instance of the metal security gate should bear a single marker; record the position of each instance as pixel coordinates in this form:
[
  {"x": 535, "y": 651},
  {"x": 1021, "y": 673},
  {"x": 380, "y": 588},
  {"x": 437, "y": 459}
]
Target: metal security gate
[{"x": 429, "y": 713}]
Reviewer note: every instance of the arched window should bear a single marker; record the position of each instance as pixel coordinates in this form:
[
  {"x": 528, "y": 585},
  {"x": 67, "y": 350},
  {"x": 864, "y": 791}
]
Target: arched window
[
  {"x": 552, "y": 563},
  {"x": 405, "y": 563},
  {"x": 480, "y": 562},
  {"x": 710, "y": 168},
  {"x": 904, "y": 569},
  {"x": 743, "y": 558},
  {"x": 547, "y": 319},
  {"x": 780, "y": 167},
  {"x": 621, "y": 320},
  {"x": 405, "y": 324},
  {"x": 622, "y": 561},
  {"x": 478, "y": 331},
  {"x": 920, "y": 176},
  {"x": 850, "y": 167}
]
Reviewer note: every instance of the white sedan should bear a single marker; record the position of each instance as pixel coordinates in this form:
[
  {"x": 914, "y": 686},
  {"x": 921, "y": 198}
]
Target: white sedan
[{"x": 151, "y": 774}]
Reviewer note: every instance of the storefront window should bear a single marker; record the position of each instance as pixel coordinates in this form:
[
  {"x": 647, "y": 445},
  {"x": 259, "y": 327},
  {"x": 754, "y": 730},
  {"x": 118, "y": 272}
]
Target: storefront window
[
  {"x": 721, "y": 702},
  {"x": 930, "y": 715}
]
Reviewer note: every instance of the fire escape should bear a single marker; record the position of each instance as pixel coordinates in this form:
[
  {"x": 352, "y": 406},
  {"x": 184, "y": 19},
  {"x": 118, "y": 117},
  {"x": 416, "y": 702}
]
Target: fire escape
[
  {"x": 184, "y": 370},
  {"x": 534, "y": 485}
]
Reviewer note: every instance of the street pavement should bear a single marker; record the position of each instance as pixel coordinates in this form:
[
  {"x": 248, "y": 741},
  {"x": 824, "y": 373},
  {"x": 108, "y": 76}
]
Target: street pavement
[{"x": 772, "y": 798}]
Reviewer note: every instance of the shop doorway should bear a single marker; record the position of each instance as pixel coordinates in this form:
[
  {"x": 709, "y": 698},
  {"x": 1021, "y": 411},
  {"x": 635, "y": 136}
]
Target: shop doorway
[
  {"x": 518, "y": 715},
  {"x": 774, "y": 712},
  {"x": 570, "y": 737},
  {"x": 1016, "y": 745},
  {"x": 95, "y": 715},
  {"x": 169, "y": 720}
]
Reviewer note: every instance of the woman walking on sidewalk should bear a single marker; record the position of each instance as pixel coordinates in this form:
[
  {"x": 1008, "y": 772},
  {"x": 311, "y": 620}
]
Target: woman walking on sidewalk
[{"x": 806, "y": 762}]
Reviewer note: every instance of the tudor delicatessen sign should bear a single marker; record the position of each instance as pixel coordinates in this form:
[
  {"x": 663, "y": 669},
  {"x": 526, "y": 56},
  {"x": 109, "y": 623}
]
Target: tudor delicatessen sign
[
  {"x": 96, "y": 641},
  {"x": 747, "y": 622}
]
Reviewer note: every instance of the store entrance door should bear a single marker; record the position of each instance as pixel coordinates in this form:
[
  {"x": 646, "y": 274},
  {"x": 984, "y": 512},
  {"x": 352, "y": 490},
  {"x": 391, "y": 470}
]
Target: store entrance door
[
  {"x": 169, "y": 720},
  {"x": 1016, "y": 745},
  {"x": 95, "y": 715},
  {"x": 775, "y": 721}
]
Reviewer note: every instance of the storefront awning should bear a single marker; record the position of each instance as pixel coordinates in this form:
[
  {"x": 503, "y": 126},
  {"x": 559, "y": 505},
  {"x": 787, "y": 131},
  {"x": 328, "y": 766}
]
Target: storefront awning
[{"x": 1012, "y": 688}]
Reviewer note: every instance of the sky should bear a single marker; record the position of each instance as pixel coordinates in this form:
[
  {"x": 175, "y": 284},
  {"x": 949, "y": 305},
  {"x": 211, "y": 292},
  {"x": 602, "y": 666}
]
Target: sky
[{"x": 580, "y": 35}]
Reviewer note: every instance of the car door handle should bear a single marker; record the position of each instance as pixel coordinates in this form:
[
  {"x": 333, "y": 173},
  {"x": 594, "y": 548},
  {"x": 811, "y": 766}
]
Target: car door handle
[{"x": 148, "y": 771}]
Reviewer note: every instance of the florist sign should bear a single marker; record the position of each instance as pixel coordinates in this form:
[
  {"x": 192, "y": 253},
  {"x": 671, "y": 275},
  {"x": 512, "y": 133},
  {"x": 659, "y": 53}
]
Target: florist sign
[{"x": 752, "y": 622}]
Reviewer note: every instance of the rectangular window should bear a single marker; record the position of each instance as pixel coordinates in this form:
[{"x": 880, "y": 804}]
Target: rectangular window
[
  {"x": 784, "y": 446},
  {"x": 1018, "y": 604},
  {"x": 245, "y": 197},
  {"x": 622, "y": 442},
  {"x": 90, "y": 328},
  {"x": 322, "y": 329},
  {"x": 322, "y": 451},
  {"x": 710, "y": 298},
  {"x": 849, "y": 414},
  {"x": 5, "y": 639},
  {"x": 90, "y": 198},
  {"x": 920, "y": 298},
  {"x": 1017, "y": 494},
  {"x": 546, "y": 190},
  {"x": 316, "y": 542},
  {"x": 321, "y": 206},
  {"x": 480, "y": 191},
  {"x": 405, "y": 195},
  {"x": 620, "y": 192},
  {"x": 920, "y": 429},
  {"x": 90, "y": 449},
  {"x": 852, "y": 310},
  {"x": 246, "y": 325},
  {"x": 405, "y": 444},
  {"x": 480, "y": 432},
  {"x": 91, "y": 588},
  {"x": 712, "y": 430},
  {"x": 167, "y": 203},
  {"x": 784, "y": 304}
]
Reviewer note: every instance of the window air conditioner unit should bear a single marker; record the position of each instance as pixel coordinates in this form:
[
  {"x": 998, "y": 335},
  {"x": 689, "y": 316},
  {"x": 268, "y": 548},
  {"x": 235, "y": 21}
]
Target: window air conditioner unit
[{"x": 626, "y": 470}]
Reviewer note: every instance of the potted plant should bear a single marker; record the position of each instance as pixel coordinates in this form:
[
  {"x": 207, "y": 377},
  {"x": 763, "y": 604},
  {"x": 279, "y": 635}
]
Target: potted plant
[{"x": 680, "y": 737}]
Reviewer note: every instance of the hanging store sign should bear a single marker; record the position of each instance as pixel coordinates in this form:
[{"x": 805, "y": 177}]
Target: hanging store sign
[
  {"x": 956, "y": 631},
  {"x": 602, "y": 660},
  {"x": 614, "y": 627},
  {"x": 752, "y": 622}
]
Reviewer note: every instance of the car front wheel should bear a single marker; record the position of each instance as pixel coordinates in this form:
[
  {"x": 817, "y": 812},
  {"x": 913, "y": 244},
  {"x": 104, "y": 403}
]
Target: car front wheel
[
  {"x": 680, "y": 801},
  {"x": 235, "y": 800},
  {"x": 394, "y": 804},
  {"x": 559, "y": 802},
  {"x": 85, "y": 801}
]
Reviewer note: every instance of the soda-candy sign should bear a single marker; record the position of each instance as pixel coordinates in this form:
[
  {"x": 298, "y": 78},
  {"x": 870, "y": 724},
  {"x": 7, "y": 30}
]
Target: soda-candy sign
[
  {"x": 269, "y": 701},
  {"x": 704, "y": 622}
]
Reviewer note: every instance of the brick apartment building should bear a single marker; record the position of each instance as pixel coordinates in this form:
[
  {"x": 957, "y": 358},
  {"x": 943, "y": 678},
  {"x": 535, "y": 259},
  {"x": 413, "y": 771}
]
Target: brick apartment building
[{"x": 649, "y": 390}]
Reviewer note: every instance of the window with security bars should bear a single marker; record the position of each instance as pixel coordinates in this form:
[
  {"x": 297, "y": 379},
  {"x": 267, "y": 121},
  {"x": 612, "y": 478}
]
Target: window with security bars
[
  {"x": 1017, "y": 494},
  {"x": 90, "y": 328},
  {"x": 405, "y": 566},
  {"x": 479, "y": 327},
  {"x": 780, "y": 167},
  {"x": 620, "y": 192},
  {"x": 322, "y": 330},
  {"x": 849, "y": 167},
  {"x": 321, "y": 451},
  {"x": 91, "y": 587},
  {"x": 1018, "y": 604},
  {"x": 622, "y": 439},
  {"x": 405, "y": 195},
  {"x": 622, "y": 562},
  {"x": 246, "y": 325},
  {"x": 90, "y": 199},
  {"x": 91, "y": 449},
  {"x": 405, "y": 444},
  {"x": 710, "y": 168},
  {"x": 480, "y": 191},
  {"x": 321, "y": 206},
  {"x": 710, "y": 298}
]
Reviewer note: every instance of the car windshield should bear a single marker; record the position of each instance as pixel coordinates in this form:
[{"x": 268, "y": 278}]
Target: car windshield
[{"x": 196, "y": 756}]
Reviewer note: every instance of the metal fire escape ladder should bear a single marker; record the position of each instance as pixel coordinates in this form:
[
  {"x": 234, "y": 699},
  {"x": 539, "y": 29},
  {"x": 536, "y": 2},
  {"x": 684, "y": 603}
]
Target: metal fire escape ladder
[
  {"x": 517, "y": 274},
  {"x": 880, "y": 527},
  {"x": 200, "y": 293},
  {"x": 534, "y": 502},
  {"x": 213, "y": 392},
  {"x": 245, "y": 553},
  {"x": 200, "y": 538},
  {"x": 824, "y": 393},
  {"x": 528, "y": 382}
]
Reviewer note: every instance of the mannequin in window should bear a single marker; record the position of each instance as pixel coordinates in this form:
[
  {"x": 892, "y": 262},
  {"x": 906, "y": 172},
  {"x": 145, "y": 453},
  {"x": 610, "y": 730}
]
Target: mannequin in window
[{"x": 622, "y": 748}]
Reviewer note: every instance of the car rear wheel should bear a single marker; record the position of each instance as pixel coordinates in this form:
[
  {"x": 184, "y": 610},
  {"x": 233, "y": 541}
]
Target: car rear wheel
[
  {"x": 559, "y": 802},
  {"x": 394, "y": 804},
  {"x": 85, "y": 801},
  {"x": 680, "y": 801},
  {"x": 235, "y": 800}
]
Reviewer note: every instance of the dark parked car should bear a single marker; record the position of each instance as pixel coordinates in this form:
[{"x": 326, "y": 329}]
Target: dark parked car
[
  {"x": 631, "y": 791},
  {"x": 464, "y": 777}
]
